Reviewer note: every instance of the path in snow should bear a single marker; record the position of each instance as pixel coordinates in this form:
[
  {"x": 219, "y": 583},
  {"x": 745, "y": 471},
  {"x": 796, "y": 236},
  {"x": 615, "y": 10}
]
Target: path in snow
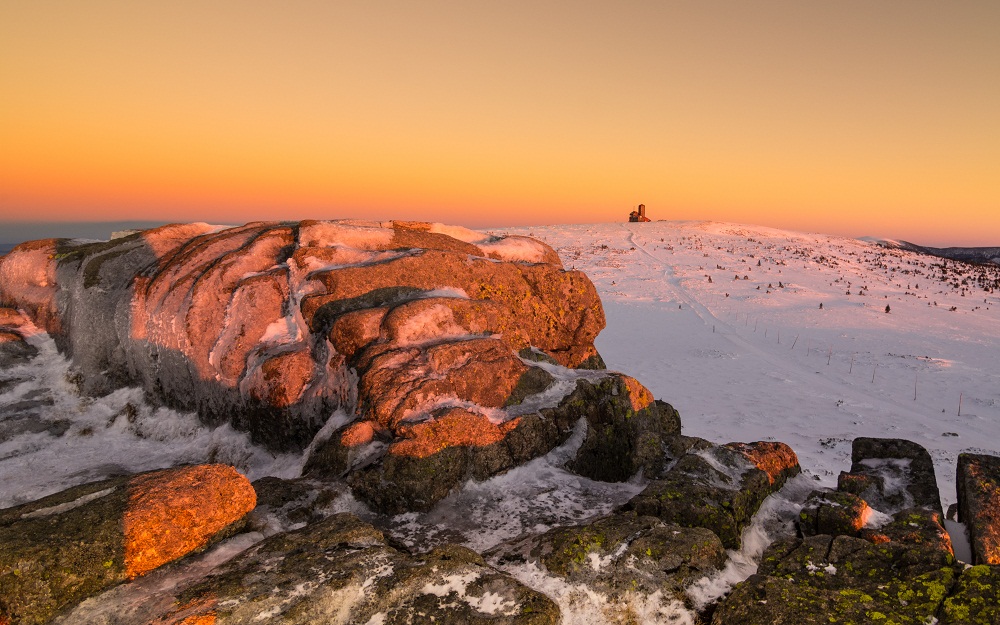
[{"x": 698, "y": 349}]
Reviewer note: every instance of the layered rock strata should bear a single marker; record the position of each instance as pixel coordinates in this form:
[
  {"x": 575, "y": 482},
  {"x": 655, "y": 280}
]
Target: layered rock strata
[{"x": 431, "y": 353}]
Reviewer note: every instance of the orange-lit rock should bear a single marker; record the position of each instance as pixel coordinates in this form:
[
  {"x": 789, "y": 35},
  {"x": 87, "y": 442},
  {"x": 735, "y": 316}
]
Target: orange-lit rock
[
  {"x": 638, "y": 394},
  {"x": 979, "y": 504},
  {"x": 174, "y": 512},
  {"x": 276, "y": 326},
  {"x": 10, "y": 337},
  {"x": 456, "y": 427},
  {"x": 281, "y": 379},
  {"x": 358, "y": 434},
  {"x": 28, "y": 281},
  {"x": 63, "y": 548},
  {"x": 557, "y": 311},
  {"x": 400, "y": 382},
  {"x": 436, "y": 318},
  {"x": 834, "y": 513},
  {"x": 10, "y": 318},
  {"x": 776, "y": 459},
  {"x": 354, "y": 330}
]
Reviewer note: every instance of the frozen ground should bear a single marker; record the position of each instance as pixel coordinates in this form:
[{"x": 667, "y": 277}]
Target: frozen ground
[{"x": 757, "y": 359}]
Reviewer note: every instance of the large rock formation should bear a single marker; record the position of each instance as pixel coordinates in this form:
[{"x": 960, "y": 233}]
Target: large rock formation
[
  {"x": 433, "y": 354},
  {"x": 266, "y": 321}
]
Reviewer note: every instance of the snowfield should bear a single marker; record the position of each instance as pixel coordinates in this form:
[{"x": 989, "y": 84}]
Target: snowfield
[{"x": 756, "y": 358}]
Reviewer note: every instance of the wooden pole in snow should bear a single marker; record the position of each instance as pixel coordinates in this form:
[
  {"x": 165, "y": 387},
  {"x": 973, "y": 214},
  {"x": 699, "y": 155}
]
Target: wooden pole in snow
[
  {"x": 960, "y": 404},
  {"x": 852, "y": 364},
  {"x": 829, "y": 356},
  {"x": 873, "y": 372},
  {"x": 915, "y": 376},
  {"x": 795, "y": 341}
]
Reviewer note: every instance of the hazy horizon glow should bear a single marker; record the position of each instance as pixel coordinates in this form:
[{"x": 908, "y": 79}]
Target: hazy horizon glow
[{"x": 852, "y": 118}]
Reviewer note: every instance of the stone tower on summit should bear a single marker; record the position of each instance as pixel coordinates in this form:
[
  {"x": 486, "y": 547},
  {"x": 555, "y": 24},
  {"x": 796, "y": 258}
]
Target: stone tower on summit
[{"x": 639, "y": 215}]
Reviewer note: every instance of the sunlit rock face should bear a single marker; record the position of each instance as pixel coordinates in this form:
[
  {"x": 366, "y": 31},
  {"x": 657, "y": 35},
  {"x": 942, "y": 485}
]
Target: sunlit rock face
[
  {"x": 13, "y": 330},
  {"x": 70, "y": 545},
  {"x": 979, "y": 504},
  {"x": 414, "y": 338}
]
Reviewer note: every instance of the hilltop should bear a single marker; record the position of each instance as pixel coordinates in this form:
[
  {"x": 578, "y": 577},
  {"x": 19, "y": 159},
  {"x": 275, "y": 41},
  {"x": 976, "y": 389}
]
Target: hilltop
[{"x": 724, "y": 321}]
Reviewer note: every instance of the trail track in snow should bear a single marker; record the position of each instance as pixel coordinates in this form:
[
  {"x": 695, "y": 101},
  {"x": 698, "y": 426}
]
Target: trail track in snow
[{"x": 737, "y": 384}]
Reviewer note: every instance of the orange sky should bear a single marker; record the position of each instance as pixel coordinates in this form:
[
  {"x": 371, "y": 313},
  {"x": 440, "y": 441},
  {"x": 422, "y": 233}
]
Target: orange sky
[{"x": 851, "y": 117}]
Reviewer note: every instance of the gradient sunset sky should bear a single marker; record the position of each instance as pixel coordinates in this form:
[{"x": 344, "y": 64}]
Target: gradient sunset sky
[{"x": 849, "y": 117}]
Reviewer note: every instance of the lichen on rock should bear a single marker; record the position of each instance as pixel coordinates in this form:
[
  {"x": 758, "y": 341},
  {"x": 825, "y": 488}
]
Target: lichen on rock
[{"x": 63, "y": 548}]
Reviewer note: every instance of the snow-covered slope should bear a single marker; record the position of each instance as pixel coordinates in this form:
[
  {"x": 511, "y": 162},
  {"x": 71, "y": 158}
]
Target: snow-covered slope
[{"x": 725, "y": 322}]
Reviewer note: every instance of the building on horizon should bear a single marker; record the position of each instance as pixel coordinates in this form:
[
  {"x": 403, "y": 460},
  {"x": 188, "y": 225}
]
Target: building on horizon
[{"x": 639, "y": 215}]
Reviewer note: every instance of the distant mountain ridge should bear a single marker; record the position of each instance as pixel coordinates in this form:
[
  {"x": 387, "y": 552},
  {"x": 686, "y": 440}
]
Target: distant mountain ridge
[{"x": 967, "y": 254}]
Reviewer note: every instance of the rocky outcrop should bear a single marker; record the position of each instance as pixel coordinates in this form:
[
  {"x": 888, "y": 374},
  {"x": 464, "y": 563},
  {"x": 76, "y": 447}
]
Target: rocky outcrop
[
  {"x": 891, "y": 474},
  {"x": 718, "y": 487},
  {"x": 903, "y": 573},
  {"x": 319, "y": 565},
  {"x": 979, "y": 504},
  {"x": 411, "y": 358},
  {"x": 835, "y": 513},
  {"x": 843, "y": 579},
  {"x": 342, "y": 570},
  {"x": 855, "y": 564},
  {"x": 621, "y": 556},
  {"x": 63, "y": 548},
  {"x": 437, "y": 349},
  {"x": 975, "y": 599},
  {"x": 627, "y": 433}
]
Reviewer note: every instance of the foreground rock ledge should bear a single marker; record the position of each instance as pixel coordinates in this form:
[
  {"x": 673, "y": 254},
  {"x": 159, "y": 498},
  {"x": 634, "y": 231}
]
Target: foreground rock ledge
[
  {"x": 58, "y": 550},
  {"x": 342, "y": 570}
]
